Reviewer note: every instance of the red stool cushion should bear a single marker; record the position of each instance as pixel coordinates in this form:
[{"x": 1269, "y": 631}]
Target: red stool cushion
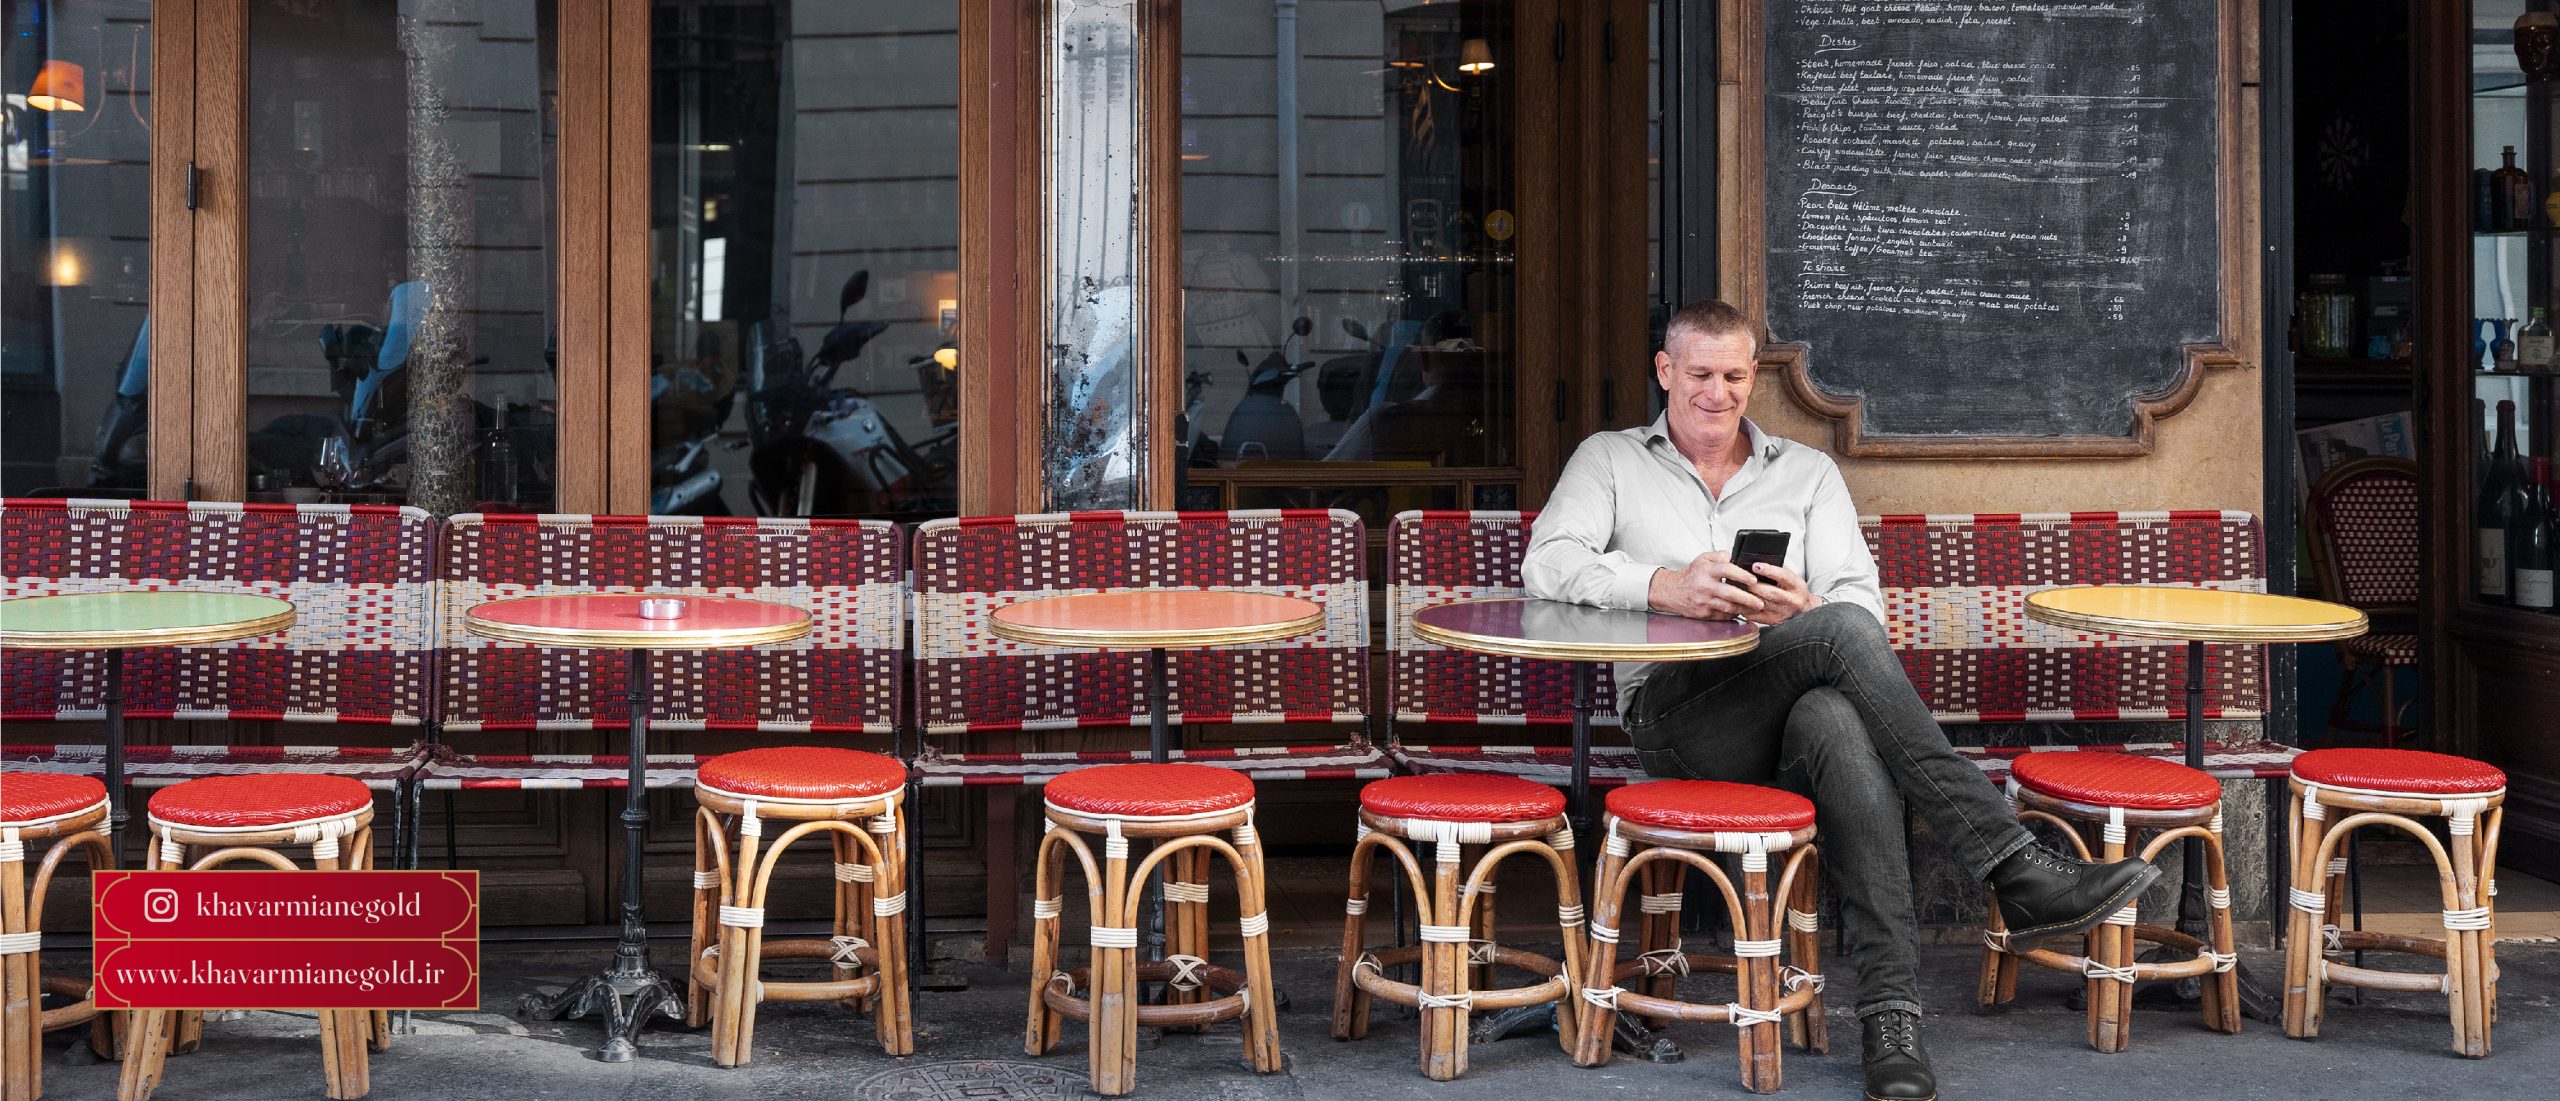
[
  {"x": 2405, "y": 770},
  {"x": 1461, "y": 797},
  {"x": 803, "y": 772},
  {"x": 1150, "y": 791},
  {"x": 28, "y": 796},
  {"x": 272, "y": 799},
  {"x": 1711, "y": 806},
  {"x": 2127, "y": 780}
]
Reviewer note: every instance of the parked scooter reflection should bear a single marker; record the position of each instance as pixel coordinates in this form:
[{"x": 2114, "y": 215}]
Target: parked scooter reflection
[{"x": 821, "y": 449}]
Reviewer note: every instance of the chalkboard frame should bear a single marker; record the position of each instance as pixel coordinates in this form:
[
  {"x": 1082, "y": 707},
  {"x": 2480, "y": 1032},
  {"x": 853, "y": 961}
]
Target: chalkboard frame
[{"x": 1743, "y": 72}]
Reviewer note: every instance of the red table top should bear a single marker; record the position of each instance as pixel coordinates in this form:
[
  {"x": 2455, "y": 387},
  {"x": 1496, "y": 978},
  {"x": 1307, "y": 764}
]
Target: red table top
[
  {"x": 1524, "y": 628},
  {"x": 1140, "y": 619},
  {"x": 612, "y": 620}
]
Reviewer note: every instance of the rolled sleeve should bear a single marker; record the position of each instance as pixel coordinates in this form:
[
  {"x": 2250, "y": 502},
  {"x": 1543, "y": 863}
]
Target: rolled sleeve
[
  {"x": 1838, "y": 566},
  {"x": 1568, "y": 557}
]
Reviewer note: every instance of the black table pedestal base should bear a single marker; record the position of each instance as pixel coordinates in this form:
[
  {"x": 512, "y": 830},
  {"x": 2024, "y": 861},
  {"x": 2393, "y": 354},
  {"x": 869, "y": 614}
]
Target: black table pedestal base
[{"x": 628, "y": 1002}]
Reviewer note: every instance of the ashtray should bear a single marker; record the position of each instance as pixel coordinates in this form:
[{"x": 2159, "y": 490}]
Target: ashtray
[{"x": 662, "y": 608}]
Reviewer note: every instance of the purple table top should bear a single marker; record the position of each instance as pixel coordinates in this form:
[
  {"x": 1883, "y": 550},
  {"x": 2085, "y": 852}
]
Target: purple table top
[{"x": 1521, "y": 627}]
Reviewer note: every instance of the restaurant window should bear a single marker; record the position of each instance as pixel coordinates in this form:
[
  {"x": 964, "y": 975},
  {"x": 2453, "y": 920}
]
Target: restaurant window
[
  {"x": 1350, "y": 214},
  {"x": 402, "y": 330},
  {"x": 805, "y": 247},
  {"x": 75, "y": 248}
]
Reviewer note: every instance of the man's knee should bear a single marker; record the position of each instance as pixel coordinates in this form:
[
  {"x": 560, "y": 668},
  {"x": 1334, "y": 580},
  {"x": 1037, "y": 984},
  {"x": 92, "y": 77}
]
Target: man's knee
[
  {"x": 1843, "y": 624},
  {"x": 1827, "y": 740}
]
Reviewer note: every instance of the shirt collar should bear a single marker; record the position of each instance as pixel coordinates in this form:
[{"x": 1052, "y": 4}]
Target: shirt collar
[{"x": 1660, "y": 430}]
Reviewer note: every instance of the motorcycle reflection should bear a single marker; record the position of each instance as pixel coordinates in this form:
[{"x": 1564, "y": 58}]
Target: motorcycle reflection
[
  {"x": 687, "y": 406},
  {"x": 823, "y": 449}
]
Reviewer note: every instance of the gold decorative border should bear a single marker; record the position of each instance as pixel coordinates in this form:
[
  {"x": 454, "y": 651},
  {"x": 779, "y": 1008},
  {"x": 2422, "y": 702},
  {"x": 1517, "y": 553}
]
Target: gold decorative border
[
  {"x": 1152, "y": 640},
  {"x": 587, "y": 638},
  {"x": 152, "y": 638},
  {"x": 2195, "y": 632},
  {"x": 1575, "y": 651}
]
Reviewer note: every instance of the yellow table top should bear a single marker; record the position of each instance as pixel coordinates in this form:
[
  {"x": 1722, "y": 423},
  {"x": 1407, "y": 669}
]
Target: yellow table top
[
  {"x": 1153, "y": 619},
  {"x": 2196, "y": 615}
]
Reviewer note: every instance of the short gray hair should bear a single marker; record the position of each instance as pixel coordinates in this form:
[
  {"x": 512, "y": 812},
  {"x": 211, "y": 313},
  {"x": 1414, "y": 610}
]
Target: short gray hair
[{"x": 1709, "y": 317}]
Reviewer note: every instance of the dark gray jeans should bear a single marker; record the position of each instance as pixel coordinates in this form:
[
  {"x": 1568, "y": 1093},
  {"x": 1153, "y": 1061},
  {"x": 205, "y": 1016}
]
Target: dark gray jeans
[{"x": 1822, "y": 708}]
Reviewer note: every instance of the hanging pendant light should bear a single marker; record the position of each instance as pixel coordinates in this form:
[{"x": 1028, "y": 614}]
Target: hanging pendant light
[{"x": 60, "y": 86}]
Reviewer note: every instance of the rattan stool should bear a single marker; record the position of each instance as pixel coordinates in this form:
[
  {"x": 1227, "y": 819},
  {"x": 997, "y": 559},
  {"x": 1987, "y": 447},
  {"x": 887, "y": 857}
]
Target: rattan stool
[
  {"x": 1458, "y": 951},
  {"x": 66, "y": 810},
  {"x": 1650, "y": 830},
  {"x": 2117, "y": 795},
  {"x": 838, "y": 792},
  {"x": 2396, "y": 787},
  {"x": 242, "y": 819},
  {"x": 1184, "y": 807}
]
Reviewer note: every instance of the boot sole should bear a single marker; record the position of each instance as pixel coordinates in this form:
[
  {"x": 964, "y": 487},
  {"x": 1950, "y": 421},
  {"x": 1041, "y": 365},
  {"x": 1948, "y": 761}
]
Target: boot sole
[
  {"x": 1872, "y": 1097},
  {"x": 2123, "y": 896}
]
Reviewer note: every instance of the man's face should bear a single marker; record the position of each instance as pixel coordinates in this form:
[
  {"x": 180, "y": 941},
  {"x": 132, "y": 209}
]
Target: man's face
[{"x": 1709, "y": 382}]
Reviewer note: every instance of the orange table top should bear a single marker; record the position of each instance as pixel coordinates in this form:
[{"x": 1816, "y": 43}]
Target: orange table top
[
  {"x": 613, "y": 621},
  {"x": 1147, "y": 619},
  {"x": 2197, "y": 615}
]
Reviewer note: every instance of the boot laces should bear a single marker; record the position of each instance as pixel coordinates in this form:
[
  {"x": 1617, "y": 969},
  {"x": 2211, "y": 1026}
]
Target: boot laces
[
  {"x": 2052, "y": 860},
  {"x": 1898, "y": 1033}
]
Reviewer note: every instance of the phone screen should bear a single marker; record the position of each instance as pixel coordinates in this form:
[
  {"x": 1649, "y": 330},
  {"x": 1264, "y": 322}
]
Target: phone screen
[{"x": 1754, "y": 546}]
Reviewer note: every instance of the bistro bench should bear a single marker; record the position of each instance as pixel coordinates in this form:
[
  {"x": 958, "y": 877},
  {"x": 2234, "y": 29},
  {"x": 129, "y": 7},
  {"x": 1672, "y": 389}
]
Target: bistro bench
[
  {"x": 1955, "y": 589},
  {"x": 358, "y": 653}
]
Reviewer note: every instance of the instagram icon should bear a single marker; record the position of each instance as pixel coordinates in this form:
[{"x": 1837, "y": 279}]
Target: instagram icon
[{"x": 160, "y": 904}]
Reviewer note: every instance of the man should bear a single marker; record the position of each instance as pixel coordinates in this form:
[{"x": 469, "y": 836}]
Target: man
[{"x": 1645, "y": 518}]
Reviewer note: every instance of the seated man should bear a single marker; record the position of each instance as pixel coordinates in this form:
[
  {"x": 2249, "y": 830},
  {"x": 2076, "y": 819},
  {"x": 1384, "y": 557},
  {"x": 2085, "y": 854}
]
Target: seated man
[{"x": 1644, "y": 518}]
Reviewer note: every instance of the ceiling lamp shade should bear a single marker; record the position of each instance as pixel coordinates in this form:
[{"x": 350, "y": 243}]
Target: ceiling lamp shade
[
  {"x": 1476, "y": 57},
  {"x": 60, "y": 86}
]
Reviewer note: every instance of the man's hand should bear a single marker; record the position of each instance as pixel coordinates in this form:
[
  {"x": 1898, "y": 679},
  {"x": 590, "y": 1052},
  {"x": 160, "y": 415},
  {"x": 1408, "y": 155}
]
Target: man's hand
[{"x": 1712, "y": 587}]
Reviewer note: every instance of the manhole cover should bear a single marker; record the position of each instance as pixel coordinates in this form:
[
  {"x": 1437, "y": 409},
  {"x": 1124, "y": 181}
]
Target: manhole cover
[{"x": 975, "y": 1080}]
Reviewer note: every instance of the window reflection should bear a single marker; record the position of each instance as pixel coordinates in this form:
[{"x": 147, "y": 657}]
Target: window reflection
[
  {"x": 1348, "y": 221},
  {"x": 75, "y": 254},
  {"x": 805, "y": 235}
]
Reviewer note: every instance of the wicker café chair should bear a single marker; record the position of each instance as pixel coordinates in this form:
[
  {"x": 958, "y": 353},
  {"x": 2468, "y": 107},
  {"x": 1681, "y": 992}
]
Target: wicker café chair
[
  {"x": 2118, "y": 794},
  {"x": 1652, "y": 829},
  {"x": 2365, "y": 514},
  {"x": 2397, "y": 788},
  {"x": 1182, "y": 808},
  {"x": 244, "y": 819},
  {"x": 69, "y": 811},
  {"x": 1498, "y": 817}
]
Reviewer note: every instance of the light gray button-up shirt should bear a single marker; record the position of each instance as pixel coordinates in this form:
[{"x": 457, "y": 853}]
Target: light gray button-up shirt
[{"x": 1629, "y": 503}]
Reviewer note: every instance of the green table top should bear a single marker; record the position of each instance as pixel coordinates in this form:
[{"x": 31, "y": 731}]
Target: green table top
[{"x": 132, "y": 620}]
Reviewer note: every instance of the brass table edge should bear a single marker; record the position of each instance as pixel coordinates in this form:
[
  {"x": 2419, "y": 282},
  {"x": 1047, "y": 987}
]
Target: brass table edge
[
  {"x": 150, "y": 638},
  {"x": 2197, "y": 632},
  {"x": 590, "y": 638},
  {"x": 1156, "y": 640}
]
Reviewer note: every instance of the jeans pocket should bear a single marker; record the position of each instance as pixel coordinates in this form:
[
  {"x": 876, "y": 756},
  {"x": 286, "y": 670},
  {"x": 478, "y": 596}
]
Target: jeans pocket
[{"x": 1662, "y": 764}]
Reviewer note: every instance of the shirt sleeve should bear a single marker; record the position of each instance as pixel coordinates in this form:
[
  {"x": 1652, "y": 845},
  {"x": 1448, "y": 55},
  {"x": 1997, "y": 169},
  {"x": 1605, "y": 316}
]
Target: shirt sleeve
[
  {"x": 1569, "y": 556},
  {"x": 1836, "y": 561}
]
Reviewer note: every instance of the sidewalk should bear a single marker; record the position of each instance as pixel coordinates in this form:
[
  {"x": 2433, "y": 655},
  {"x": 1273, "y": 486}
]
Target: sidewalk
[{"x": 2391, "y": 1048}]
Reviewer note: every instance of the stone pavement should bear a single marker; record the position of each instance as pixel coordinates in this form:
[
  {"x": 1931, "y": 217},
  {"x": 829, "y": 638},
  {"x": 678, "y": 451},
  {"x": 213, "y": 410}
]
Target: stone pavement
[{"x": 2392, "y": 1047}]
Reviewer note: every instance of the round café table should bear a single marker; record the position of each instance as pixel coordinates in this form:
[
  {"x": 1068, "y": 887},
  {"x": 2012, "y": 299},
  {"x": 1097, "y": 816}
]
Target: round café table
[
  {"x": 2197, "y": 616},
  {"x": 139, "y": 619},
  {"x": 629, "y": 990},
  {"x": 1583, "y": 636},
  {"x": 1156, "y": 620}
]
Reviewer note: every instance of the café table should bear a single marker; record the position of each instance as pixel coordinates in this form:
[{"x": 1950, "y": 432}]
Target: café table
[
  {"x": 138, "y": 619},
  {"x": 629, "y": 990},
  {"x": 1157, "y": 621},
  {"x": 2197, "y": 616}
]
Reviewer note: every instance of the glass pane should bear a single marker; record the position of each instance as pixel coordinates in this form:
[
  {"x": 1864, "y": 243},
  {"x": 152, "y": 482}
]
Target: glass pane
[
  {"x": 401, "y": 309},
  {"x": 804, "y": 217},
  {"x": 75, "y": 247},
  {"x": 1348, "y": 221}
]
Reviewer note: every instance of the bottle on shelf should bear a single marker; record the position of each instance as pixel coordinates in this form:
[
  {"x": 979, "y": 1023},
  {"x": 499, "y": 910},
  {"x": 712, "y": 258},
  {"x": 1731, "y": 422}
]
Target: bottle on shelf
[
  {"x": 2511, "y": 190},
  {"x": 2501, "y": 504},
  {"x": 2484, "y": 206},
  {"x": 2533, "y": 344},
  {"x": 498, "y": 458},
  {"x": 2530, "y": 543},
  {"x": 2502, "y": 351}
]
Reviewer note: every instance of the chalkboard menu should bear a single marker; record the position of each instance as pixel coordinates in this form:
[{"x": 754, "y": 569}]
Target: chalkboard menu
[{"x": 1995, "y": 218}]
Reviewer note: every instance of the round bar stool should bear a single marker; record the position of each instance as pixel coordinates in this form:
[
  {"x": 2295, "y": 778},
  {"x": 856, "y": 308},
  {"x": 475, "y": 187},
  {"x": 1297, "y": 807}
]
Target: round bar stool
[
  {"x": 853, "y": 798},
  {"x": 68, "y": 811},
  {"x": 1663, "y": 824},
  {"x": 1182, "y": 808},
  {"x": 2337, "y": 791},
  {"x": 1458, "y": 951},
  {"x": 2118, "y": 795},
  {"x": 218, "y": 820}
]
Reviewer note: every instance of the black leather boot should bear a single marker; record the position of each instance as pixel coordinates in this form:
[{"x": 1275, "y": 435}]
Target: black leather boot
[
  {"x": 2043, "y": 894},
  {"x": 1897, "y": 1066}
]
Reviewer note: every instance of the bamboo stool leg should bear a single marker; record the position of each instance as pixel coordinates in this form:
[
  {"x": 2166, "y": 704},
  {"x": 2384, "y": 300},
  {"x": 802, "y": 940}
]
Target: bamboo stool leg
[
  {"x": 2303, "y": 940},
  {"x": 148, "y": 1047},
  {"x": 1661, "y": 931},
  {"x": 1608, "y": 892},
  {"x": 729, "y": 1048},
  {"x": 379, "y": 1039},
  {"x": 1187, "y": 922},
  {"x": 1569, "y": 918},
  {"x": 1262, "y": 1013},
  {"x": 852, "y": 915},
  {"x": 1756, "y": 977},
  {"x": 1444, "y": 971},
  {"x": 1807, "y": 1027},
  {"x": 2112, "y": 948},
  {"x": 1481, "y": 928},
  {"x": 706, "y": 902},
  {"x": 22, "y": 1013},
  {"x": 894, "y": 1019},
  {"x": 1350, "y": 1003},
  {"x": 2463, "y": 954},
  {"x": 342, "y": 1032},
  {"x": 2222, "y": 988},
  {"x": 1040, "y": 1027},
  {"x": 1113, "y": 1030}
]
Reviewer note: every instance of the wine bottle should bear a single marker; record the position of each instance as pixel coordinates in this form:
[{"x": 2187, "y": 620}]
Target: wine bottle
[
  {"x": 2529, "y": 543},
  {"x": 498, "y": 458},
  {"x": 2501, "y": 500},
  {"x": 2511, "y": 189},
  {"x": 2533, "y": 344}
]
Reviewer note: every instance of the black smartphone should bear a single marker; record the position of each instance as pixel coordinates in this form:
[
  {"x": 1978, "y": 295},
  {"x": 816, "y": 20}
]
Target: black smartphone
[{"x": 1754, "y": 546}]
